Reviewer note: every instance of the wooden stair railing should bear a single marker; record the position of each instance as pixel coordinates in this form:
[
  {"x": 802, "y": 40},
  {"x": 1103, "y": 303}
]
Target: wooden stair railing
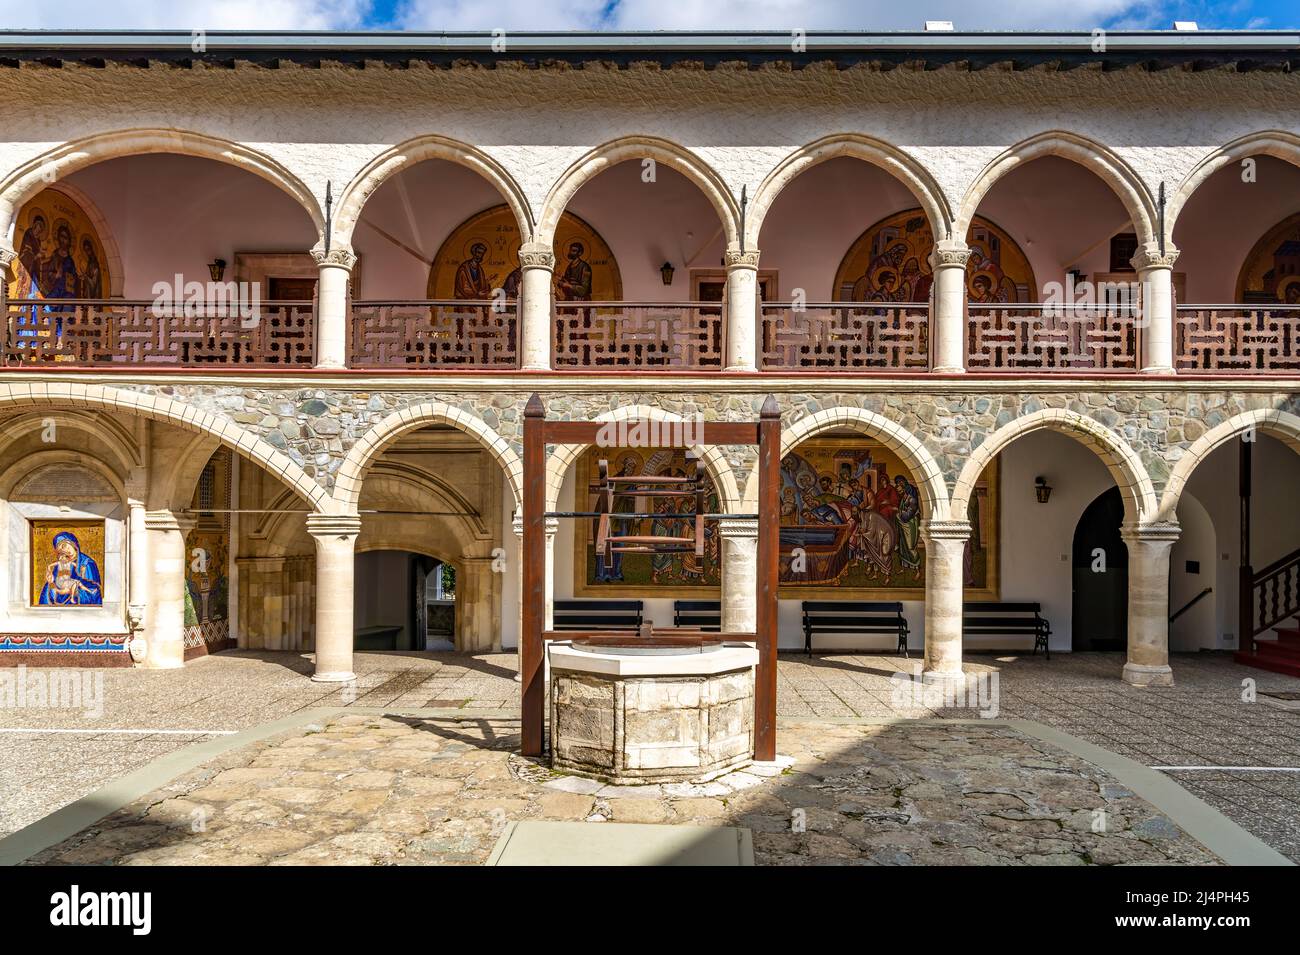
[{"x": 1274, "y": 596}]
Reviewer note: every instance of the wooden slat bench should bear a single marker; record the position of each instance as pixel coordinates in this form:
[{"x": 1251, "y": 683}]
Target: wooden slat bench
[
  {"x": 701, "y": 614},
  {"x": 1006, "y": 619},
  {"x": 597, "y": 615},
  {"x": 856, "y": 616}
]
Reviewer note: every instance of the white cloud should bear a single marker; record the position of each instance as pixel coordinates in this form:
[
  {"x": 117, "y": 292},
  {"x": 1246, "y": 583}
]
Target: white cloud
[
  {"x": 186, "y": 15},
  {"x": 524, "y": 15}
]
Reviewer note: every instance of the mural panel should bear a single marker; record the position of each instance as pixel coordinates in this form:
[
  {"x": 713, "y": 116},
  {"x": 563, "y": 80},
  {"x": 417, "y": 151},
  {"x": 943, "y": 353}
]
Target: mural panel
[
  {"x": 850, "y": 529},
  {"x": 67, "y": 562},
  {"x": 59, "y": 251},
  {"x": 482, "y": 254},
  {"x": 207, "y": 569},
  {"x": 1271, "y": 272},
  {"x": 890, "y": 262}
]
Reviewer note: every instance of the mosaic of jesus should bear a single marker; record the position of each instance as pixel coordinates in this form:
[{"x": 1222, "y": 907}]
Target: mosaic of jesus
[{"x": 71, "y": 576}]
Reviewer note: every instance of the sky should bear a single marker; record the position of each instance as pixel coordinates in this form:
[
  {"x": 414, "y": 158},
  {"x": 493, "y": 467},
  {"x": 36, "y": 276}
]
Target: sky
[{"x": 725, "y": 15}]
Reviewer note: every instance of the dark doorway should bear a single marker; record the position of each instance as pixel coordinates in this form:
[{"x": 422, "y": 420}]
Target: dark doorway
[{"x": 1100, "y": 605}]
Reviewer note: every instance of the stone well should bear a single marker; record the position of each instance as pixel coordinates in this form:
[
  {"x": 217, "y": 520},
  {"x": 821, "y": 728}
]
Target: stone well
[{"x": 636, "y": 718}]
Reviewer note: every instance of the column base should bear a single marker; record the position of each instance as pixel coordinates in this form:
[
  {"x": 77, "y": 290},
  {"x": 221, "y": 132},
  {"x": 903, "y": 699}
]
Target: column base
[
  {"x": 948, "y": 370},
  {"x": 749, "y": 368},
  {"x": 941, "y": 677},
  {"x": 330, "y": 366},
  {"x": 1159, "y": 370},
  {"x": 337, "y": 677},
  {"x": 1137, "y": 674}
]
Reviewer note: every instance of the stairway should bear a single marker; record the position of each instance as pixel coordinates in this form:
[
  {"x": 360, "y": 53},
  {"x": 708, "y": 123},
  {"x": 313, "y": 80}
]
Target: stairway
[{"x": 1281, "y": 655}]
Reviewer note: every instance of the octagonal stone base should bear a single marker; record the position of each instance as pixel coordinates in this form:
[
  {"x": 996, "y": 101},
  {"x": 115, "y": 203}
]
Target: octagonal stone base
[{"x": 652, "y": 719}]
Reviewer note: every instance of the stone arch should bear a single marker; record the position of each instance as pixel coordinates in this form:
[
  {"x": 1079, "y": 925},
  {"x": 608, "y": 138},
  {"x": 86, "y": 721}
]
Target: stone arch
[
  {"x": 112, "y": 439},
  {"x": 420, "y": 149},
  {"x": 909, "y": 448},
  {"x": 1280, "y": 424},
  {"x": 13, "y": 473},
  {"x": 352, "y": 473},
  {"x": 711, "y": 456},
  {"x": 54, "y": 164},
  {"x": 1273, "y": 142},
  {"x": 1109, "y": 167},
  {"x": 188, "y": 417},
  {"x": 903, "y": 167},
  {"x": 1122, "y": 461},
  {"x": 176, "y": 485},
  {"x": 609, "y": 154}
]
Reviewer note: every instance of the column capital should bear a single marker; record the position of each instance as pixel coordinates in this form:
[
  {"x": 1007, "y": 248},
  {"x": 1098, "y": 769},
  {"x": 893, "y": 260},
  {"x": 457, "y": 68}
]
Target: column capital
[
  {"x": 323, "y": 526},
  {"x": 736, "y": 259},
  {"x": 536, "y": 255},
  {"x": 168, "y": 521},
  {"x": 946, "y": 530},
  {"x": 338, "y": 257},
  {"x": 1155, "y": 532},
  {"x": 949, "y": 254},
  {"x": 551, "y": 525},
  {"x": 1151, "y": 257},
  {"x": 738, "y": 528},
  {"x": 7, "y": 257}
]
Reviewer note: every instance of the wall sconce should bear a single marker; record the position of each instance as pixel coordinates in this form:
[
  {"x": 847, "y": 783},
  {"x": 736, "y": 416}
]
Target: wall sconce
[
  {"x": 217, "y": 269},
  {"x": 1042, "y": 490},
  {"x": 666, "y": 272}
]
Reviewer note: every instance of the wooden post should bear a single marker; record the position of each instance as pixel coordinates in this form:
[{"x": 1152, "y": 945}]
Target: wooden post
[
  {"x": 769, "y": 550},
  {"x": 1245, "y": 573},
  {"x": 533, "y": 554}
]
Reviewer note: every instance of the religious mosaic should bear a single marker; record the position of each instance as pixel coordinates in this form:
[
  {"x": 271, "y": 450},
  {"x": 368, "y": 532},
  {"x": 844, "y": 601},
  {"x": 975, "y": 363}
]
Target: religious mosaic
[
  {"x": 67, "y": 563},
  {"x": 207, "y": 569},
  {"x": 1271, "y": 272}
]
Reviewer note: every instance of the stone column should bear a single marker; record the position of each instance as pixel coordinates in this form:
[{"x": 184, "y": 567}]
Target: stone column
[
  {"x": 332, "y": 306},
  {"x": 336, "y": 535},
  {"x": 537, "y": 327},
  {"x": 552, "y": 525},
  {"x": 1156, "y": 273},
  {"x": 741, "y": 314},
  {"x": 1149, "y": 546},
  {"x": 739, "y": 575},
  {"x": 137, "y": 549},
  {"x": 476, "y": 622},
  {"x": 945, "y": 546},
  {"x": 165, "y": 632},
  {"x": 948, "y": 321}
]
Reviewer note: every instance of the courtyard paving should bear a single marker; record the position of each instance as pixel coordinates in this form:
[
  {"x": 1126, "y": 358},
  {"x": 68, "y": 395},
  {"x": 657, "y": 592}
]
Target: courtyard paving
[
  {"x": 1206, "y": 720},
  {"x": 362, "y": 789}
]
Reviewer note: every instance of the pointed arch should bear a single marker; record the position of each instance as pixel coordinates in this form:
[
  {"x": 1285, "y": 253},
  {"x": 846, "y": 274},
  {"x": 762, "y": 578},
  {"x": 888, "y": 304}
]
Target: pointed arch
[
  {"x": 352, "y": 473},
  {"x": 63, "y": 160},
  {"x": 1279, "y": 424},
  {"x": 421, "y": 149},
  {"x": 909, "y": 448},
  {"x": 899, "y": 164},
  {"x": 609, "y": 154},
  {"x": 1272, "y": 142},
  {"x": 715, "y": 462},
  {"x": 1121, "y": 460},
  {"x": 1108, "y": 166}
]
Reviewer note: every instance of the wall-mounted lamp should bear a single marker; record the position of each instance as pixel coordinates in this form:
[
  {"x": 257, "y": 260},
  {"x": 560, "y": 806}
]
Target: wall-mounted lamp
[
  {"x": 1042, "y": 490},
  {"x": 217, "y": 269},
  {"x": 666, "y": 272}
]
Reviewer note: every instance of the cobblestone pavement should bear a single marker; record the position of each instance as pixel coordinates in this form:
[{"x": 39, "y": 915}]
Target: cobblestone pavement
[
  {"x": 367, "y": 790},
  {"x": 1200, "y": 722}
]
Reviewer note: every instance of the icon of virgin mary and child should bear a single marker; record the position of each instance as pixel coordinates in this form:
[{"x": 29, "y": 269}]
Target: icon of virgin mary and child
[{"x": 73, "y": 579}]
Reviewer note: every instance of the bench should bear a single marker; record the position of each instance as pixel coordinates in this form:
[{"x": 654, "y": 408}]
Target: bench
[
  {"x": 698, "y": 614},
  {"x": 856, "y": 616},
  {"x": 597, "y": 615},
  {"x": 1004, "y": 619}
]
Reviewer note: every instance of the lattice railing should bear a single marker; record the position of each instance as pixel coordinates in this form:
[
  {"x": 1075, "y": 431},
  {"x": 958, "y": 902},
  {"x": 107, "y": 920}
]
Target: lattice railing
[
  {"x": 1051, "y": 338},
  {"x": 639, "y": 335},
  {"x": 94, "y": 332},
  {"x": 1237, "y": 338},
  {"x": 434, "y": 334},
  {"x": 845, "y": 337}
]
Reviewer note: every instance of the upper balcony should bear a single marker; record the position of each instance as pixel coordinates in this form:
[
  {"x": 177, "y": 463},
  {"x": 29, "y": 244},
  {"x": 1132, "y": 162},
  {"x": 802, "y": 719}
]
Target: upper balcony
[{"x": 646, "y": 269}]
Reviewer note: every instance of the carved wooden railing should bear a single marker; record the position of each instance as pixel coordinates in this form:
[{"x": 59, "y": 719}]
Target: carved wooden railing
[
  {"x": 1275, "y": 595},
  {"x": 434, "y": 334},
  {"x": 1243, "y": 338},
  {"x": 639, "y": 335},
  {"x": 839, "y": 336},
  {"x": 1052, "y": 338},
  {"x": 99, "y": 332}
]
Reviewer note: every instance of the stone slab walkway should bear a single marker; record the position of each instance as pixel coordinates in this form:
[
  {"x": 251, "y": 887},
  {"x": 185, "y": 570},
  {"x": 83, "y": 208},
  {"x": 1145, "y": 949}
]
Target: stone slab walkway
[{"x": 385, "y": 789}]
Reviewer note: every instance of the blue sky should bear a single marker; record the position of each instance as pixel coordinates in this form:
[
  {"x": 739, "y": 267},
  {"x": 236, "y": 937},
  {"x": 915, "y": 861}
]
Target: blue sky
[{"x": 644, "y": 14}]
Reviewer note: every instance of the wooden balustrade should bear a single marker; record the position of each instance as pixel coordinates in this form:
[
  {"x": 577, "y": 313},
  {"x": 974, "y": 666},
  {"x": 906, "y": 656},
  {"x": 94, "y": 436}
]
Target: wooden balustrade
[
  {"x": 1052, "y": 338},
  {"x": 1237, "y": 338},
  {"x": 639, "y": 335},
  {"x": 99, "y": 332},
  {"x": 839, "y": 336},
  {"x": 434, "y": 334}
]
